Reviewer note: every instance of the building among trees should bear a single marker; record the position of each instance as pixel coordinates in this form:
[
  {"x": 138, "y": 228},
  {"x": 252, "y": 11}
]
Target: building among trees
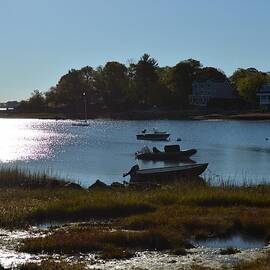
[
  {"x": 264, "y": 95},
  {"x": 204, "y": 91}
]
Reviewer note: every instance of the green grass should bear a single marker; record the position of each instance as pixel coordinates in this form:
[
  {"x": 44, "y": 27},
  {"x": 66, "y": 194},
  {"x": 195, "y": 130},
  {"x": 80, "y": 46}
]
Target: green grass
[
  {"x": 203, "y": 210},
  {"x": 194, "y": 209},
  {"x": 96, "y": 204}
]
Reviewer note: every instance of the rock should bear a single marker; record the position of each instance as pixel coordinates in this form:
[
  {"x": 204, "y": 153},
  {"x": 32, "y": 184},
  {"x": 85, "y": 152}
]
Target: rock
[
  {"x": 73, "y": 185},
  {"x": 99, "y": 185}
]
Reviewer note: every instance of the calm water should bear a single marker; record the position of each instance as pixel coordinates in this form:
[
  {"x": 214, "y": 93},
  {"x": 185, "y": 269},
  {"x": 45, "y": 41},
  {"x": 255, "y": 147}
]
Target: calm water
[{"x": 235, "y": 150}]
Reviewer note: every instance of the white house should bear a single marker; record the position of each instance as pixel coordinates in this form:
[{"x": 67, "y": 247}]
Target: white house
[
  {"x": 203, "y": 91},
  {"x": 264, "y": 95}
]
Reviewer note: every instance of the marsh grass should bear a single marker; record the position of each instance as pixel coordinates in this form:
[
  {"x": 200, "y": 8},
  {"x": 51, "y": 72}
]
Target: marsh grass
[
  {"x": 89, "y": 240},
  {"x": 190, "y": 210},
  {"x": 258, "y": 264},
  {"x": 52, "y": 265},
  {"x": 112, "y": 252},
  {"x": 85, "y": 205},
  {"x": 15, "y": 177},
  {"x": 229, "y": 251},
  {"x": 204, "y": 210}
]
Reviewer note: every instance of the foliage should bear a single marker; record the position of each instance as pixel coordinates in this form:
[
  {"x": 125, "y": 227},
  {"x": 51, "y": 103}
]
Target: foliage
[
  {"x": 114, "y": 82},
  {"x": 116, "y": 87},
  {"x": 248, "y": 82},
  {"x": 211, "y": 73},
  {"x": 36, "y": 103},
  {"x": 180, "y": 80}
]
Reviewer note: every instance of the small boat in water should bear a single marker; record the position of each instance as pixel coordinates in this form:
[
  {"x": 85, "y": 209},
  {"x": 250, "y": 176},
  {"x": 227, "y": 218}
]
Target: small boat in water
[
  {"x": 82, "y": 123},
  {"x": 171, "y": 152},
  {"x": 165, "y": 174},
  {"x": 155, "y": 135}
]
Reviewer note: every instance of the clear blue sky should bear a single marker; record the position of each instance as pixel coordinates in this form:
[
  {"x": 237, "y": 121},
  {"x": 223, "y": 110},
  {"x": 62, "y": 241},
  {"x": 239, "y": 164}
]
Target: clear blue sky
[{"x": 42, "y": 39}]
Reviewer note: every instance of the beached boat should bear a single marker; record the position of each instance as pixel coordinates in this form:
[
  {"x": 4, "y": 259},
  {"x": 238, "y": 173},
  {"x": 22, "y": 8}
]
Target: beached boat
[
  {"x": 165, "y": 174},
  {"x": 171, "y": 152},
  {"x": 154, "y": 135}
]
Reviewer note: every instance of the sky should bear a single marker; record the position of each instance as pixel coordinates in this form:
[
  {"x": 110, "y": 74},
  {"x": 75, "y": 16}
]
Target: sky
[{"x": 40, "y": 40}]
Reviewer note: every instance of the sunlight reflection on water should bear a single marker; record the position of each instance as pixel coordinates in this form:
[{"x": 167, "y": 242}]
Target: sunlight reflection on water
[{"x": 25, "y": 140}]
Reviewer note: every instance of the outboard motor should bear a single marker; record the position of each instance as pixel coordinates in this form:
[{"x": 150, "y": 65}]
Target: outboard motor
[{"x": 132, "y": 171}]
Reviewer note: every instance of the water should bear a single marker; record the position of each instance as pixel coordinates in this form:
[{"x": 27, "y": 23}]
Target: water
[
  {"x": 235, "y": 241},
  {"x": 235, "y": 150}
]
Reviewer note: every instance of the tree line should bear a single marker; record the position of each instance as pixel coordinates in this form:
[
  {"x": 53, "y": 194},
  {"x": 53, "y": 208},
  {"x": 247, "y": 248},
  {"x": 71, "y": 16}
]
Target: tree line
[{"x": 117, "y": 87}]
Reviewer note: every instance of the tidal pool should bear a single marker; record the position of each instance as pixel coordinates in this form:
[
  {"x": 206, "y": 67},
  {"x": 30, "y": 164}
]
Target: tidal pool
[
  {"x": 236, "y": 241},
  {"x": 152, "y": 260}
]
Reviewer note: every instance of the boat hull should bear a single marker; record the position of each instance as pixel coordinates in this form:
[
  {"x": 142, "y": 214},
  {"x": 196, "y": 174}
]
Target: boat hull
[
  {"x": 167, "y": 174},
  {"x": 153, "y": 137},
  {"x": 181, "y": 155},
  {"x": 80, "y": 125}
]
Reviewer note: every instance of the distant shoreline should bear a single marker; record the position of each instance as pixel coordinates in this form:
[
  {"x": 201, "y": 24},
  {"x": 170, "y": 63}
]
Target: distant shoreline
[{"x": 147, "y": 115}]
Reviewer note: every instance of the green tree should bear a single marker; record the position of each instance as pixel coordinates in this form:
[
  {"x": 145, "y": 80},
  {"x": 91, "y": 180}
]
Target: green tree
[
  {"x": 248, "y": 82},
  {"x": 69, "y": 91},
  {"x": 211, "y": 73},
  {"x": 36, "y": 103},
  {"x": 146, "y": 79},
  {"x": 180, "y": 81},
  {"x": 115, "y": 84}
]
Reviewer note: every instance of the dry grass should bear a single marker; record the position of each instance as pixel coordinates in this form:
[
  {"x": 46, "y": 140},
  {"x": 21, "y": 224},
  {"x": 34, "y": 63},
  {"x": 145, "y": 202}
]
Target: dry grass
[
  {"x": 52, "y": 265},
  {"x": 229, "y": 251},
  {"x": 95, "y": 204},
  {"x": 202, "y": 210},
  {"x": 20, "y": 178},
  {"x": 88, "y": 240},
  {"x": 258, "y": 264},
  {"x": 179, "y": 212}
]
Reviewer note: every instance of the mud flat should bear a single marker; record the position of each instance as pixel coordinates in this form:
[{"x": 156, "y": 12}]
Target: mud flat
[{"x": 195, "y": 257}]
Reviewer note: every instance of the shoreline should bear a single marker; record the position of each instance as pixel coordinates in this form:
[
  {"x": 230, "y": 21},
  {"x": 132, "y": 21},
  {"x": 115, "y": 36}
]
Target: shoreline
[{"x": 147, "y": 115}]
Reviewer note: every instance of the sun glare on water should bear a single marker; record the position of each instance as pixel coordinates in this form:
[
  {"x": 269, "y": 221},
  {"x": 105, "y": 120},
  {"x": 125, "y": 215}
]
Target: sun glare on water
[{"x": 22, "y": 140}]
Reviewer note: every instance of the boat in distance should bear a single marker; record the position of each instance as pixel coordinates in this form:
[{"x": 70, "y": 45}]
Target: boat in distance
[
  {"x": 154, "y": 135},
  {"x": 171, "y": 152},
  {"x": 166, "y": 174},
  {"x": 81, "y": 124}
]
